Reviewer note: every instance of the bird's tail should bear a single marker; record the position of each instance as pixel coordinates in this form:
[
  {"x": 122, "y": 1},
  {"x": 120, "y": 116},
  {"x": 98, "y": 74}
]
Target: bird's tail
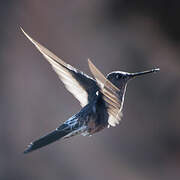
[{"x": 62, "y": 131}]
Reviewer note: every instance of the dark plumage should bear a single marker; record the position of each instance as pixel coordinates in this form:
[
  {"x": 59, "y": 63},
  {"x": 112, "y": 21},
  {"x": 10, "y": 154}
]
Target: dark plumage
[{"x": 101, "y": 98}]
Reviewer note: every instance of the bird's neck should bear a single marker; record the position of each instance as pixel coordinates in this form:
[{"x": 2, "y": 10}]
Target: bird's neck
[{"x": 122, "y": 95}]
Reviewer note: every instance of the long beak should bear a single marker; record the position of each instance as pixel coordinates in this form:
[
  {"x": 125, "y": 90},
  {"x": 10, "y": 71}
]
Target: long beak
[{"x": 133, "y": 75}]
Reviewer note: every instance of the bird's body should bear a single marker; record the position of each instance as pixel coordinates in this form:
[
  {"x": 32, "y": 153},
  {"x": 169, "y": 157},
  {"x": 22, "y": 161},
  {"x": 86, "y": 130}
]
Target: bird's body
[
  {"x": 92, "y": 118},
  {"x": 101, "y": 98}
]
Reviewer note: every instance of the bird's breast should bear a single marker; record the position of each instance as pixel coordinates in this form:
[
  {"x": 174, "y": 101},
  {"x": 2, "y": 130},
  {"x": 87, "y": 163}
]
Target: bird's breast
[
  {"x": 93, "y": 127},
  {"x": 97, "y": 119}
]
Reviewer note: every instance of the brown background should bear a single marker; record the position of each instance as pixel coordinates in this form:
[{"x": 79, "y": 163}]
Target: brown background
[{"x": 129, "y": 35}]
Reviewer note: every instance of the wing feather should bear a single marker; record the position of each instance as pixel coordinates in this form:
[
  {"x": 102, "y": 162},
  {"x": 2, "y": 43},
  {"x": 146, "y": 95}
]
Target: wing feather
[
  {"x": 79, "y": 84},
  {"x": 110, "y": 95}
]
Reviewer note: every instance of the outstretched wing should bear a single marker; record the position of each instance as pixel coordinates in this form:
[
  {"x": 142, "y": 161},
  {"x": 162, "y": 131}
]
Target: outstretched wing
[
  {"x": 79, "y": 84},
  {"x": 110, "y": 95}
]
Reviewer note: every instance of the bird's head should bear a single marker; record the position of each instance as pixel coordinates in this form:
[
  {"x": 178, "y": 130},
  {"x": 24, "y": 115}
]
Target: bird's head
[{"x": 120, "y": 78}]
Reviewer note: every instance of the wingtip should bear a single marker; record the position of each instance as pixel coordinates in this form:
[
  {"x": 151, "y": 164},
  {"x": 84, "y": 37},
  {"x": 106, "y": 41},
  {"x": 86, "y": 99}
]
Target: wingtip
[
  {"x": 30, "y": 38},
  {"x": 91, "y": 65},
  {"x": 22, "y": 30},
  {"x": 89, "y": 62}
]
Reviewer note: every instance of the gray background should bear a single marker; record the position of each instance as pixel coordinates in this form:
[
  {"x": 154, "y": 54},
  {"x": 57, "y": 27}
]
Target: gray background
[{"x": 131, "y": 35}]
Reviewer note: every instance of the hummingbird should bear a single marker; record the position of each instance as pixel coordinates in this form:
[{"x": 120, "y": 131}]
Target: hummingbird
[{"x": 101, "y": 98}]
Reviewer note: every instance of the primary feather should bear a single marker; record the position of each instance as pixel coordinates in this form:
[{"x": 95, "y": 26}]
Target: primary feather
[
  {"x": 110, "y": 95},
  {"x": 79, "y": 84}
]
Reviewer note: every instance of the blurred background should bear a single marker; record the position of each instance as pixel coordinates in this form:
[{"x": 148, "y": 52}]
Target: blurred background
[{"x": 127, "y": 35}]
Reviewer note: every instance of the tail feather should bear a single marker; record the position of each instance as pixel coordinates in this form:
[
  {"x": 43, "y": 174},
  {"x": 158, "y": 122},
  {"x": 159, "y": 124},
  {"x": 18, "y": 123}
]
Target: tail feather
[{"x": 47, "y": 139}]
